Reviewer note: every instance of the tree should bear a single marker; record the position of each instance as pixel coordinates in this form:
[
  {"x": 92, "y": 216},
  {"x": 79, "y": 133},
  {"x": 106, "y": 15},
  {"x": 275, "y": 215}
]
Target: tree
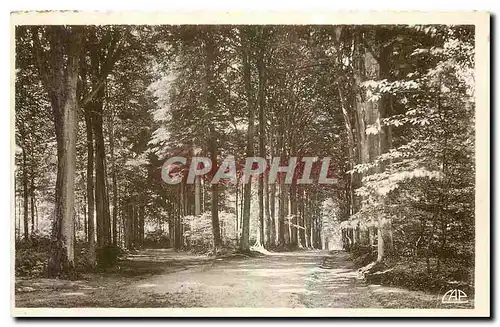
[
  {"x": 245, "y": 35},
  {"x": 58, "y": 70}
]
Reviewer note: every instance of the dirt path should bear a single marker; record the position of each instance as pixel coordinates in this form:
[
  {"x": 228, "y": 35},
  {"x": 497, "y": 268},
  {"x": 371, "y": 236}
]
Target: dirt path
[{"x": 164, "y": 278}]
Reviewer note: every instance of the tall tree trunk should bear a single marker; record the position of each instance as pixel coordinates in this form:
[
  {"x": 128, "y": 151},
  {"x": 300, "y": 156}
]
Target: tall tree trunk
[
  {"x": 32, "y": 194},
  {"x": 130, "y": 225},
  {"x": 351, "y": 149},
  {"x": 171, "y": 232},
  {"x": 25, "y": 191},
  {"x": 113, "y": 177},
  {"x": 301, "y": 236},
  {"x": 272, "y": 204},
  {"x": 90, "y": 186},
  {"x": 237, "y": 222},
  {"x": 141, "y": 226},
  {"x": 177, "y": 227},
  {"x": 281, "y": 211},
  {"x": 85, "y": 225},
  {"x": 213, "y": 142},
  {"x": 380, "y": 237},
  {"x": 262, "y": 123},
  {"x": 215, "y": 198},
  {"x": 306, "y": 213},
  {"x": 293, "y": 212},
  {"x": 103, "y": 53},
  {"x": 367, "y": 67},
  {"x": 267, "y": 213},
  {"x": 197, "y": 196},
  {"x": 281, "y": 183},
  {"x": 242, "y": 206},
  {"x": 65, "y": 108},
  {"x": 101, "y": 197},
  {"x": 288, "y": 226},
  {"x": 247, "y": 193},
  {"x": 17, "y": 209}
]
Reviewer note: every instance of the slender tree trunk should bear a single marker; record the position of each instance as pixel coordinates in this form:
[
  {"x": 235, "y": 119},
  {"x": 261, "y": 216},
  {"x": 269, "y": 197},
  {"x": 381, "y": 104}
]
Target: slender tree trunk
[
  {"x": 237, "y": 222},
  {"x": 202, "y": 187},
  {"x": 25, "y": 193},
  {"x": 301, "y": 236},
  {"x": 197, "y": 196},
  {"x": 213, "y": 142},
  {"x": 90, "y": 186},
  {"x": 101, "y": 197},
  {"x": 182, "y": 194},
  {"x": 215, "y": 199},
  {"x": 261, "y": 71},
  {"x": 85, "y": 227},
  {"x": 351, "y": 147},
  {"x": 247, "y": 193},
  {"x": 113, "y": 177},
  {"x": 293, "y": 211},
  {"x": 281, "y": 185},
  {"x": 242, "y": 205},
  {"x": 17, "y": 210},
  {"x": 288, "y": 226},
  {"x": 281, "y": 212},
  {"x": 141, "y": 226},
  {"x": 130, "y": 225},
  {"x": 177, "y": 226},
  {"x": 272, "y": 204},
  {"x": 171, "y": 232},
  {"x": 267, "y": 212},
  {"x": 103, "y": 55},
  {"x": 307, "y": 223},
  {"x": 380, "y": 238},
  {"x": 32, "y": 193}
]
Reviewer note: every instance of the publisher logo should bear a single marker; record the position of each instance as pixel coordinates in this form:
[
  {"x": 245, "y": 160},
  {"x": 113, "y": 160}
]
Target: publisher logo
[{"x": 455, "y": 297}]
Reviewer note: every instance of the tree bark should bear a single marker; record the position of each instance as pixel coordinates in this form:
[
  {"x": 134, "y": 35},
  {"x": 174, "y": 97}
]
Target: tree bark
[
  {"x": 141, "y": 226},
  {"x": 104, "y": 53},
  {"x": 367, "y": 67},
  {"x": 197, "y": 196},
  {"x": 25, "y": 189},
  {"x": 267, "y": 214},
  {"x": 262, "y": 123},
  {"x": 272, "y": 203},
  {"x": 113, "y": 177},
  {"x": 90, "y": 186},
  {"x": 247, "y": 193},
  {"x": 102, "y": 206},
  {"x": 32, "y": 196},
  {"x": 65, "y": 108},
  {"x": 215, "y": 199},
  {"x": 237, "y": 218},
  {"x": 293, "y": 211},
  {"x": 281, "y": 212},
  {"x": 213, "y": 142}
]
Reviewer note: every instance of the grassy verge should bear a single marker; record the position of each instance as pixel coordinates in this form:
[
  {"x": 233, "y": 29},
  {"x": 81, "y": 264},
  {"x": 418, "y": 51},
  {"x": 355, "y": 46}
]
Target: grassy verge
[{"x": 414, "y": 274}]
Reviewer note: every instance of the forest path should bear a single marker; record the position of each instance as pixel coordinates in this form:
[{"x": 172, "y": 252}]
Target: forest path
[{"x": 164, "y": 278}]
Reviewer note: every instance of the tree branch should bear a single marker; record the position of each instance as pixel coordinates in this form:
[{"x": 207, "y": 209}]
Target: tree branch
[
  {"x": 40, "y": 58},
  {"x": 107, "y": 68}
]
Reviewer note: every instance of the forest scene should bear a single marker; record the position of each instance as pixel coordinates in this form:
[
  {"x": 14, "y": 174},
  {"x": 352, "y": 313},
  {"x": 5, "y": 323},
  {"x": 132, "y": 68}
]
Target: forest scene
[{"x": 385, "y": 113}]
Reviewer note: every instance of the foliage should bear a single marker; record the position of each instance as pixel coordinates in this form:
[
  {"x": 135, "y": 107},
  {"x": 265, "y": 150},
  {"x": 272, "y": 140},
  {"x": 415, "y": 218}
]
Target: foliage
[
  {"x": 425, "y": 183},
  {"x": 199, "y": 232},
  {"x": 108, "y": 256},
  {"x": 32, "y": 256},
  {"x": 393, "y": 106}
]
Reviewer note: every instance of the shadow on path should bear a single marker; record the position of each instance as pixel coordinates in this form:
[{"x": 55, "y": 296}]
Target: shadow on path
[{"x": 165, "y": 278}]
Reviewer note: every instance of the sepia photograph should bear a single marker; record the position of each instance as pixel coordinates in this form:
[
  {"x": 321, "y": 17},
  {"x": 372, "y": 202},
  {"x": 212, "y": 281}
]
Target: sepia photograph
[{"x": 250, "y": 165}]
